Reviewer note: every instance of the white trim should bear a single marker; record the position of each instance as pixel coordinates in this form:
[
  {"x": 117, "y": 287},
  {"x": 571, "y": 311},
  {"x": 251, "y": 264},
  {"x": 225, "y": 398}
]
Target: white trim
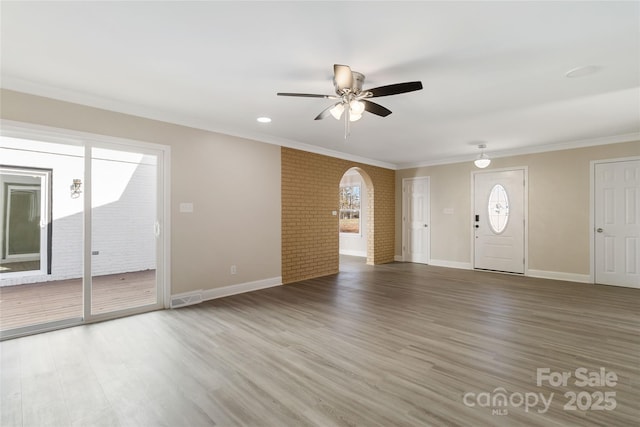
[
  {"x": 348, "y": 252},
  {"x": 451, "y": 264},
  {"x": 541, "y": 274},
  {"x": 39, "y": 328},
  {"x": 241, "y": 288},
  {"x": 559, "y": 275},
  {"x": 12, "y": 128},
  {"x": 87, "y": 239},
  {"x": 207, "y": 126},
  {"x": 36, "y": 89},
  {"x": 563, "y": 145},
  {"x": 195, "y": 297},
  {"x": 165, "y": 231},
  {"x": 398, "y": 258}
]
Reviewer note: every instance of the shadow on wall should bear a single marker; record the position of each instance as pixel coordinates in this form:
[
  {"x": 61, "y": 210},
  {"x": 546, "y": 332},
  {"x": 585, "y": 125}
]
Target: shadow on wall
[{"x": 123, "y": 220}]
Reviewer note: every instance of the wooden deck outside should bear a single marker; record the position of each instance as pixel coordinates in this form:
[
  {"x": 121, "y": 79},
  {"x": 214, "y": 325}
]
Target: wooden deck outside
[{"x": 25, "y": 305}]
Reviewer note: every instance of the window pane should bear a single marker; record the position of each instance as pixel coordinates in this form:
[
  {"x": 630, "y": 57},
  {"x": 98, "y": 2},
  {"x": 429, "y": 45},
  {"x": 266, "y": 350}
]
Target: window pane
[
  {"x": 349, "y": 221},
  {"x": 498, "y": 208}
]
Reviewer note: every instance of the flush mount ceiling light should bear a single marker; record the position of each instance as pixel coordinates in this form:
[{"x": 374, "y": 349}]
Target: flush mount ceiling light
[
  {"x": 482, "y": 161},
  {"x": 264, "y": 119}
]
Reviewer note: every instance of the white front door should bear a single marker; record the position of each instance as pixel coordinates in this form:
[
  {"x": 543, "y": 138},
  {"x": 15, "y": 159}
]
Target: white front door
[
  {"x": 617, "y": 223},
  {"x": 416, "y": 219},
  {"x": 499, "y": 215}
]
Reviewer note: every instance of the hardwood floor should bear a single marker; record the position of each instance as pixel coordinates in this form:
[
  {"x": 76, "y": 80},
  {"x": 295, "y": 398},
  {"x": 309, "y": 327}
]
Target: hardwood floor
[
  {"x": 38, "y": 303},
  {"x": 390, "y": 345}
]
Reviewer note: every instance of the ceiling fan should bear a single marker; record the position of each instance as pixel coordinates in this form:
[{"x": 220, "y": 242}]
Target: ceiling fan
[{"x": 352, "y": 100}]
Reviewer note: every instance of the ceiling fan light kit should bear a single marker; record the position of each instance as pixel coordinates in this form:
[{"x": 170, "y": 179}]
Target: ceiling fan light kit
[
  {"x": 337, "y": 111},
  {"x": 352, "y": 100}
]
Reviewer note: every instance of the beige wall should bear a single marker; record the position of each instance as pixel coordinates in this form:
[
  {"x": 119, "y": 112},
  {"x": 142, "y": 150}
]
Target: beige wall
[
  {"x": 233, "y": 183},
  {"x": 216, "y": 172},
  {"x": 558, "y": 206}
]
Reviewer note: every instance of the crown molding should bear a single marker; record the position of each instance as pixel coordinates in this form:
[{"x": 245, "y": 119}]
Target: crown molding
[
  {"x": 534, "y": 149},
  {"x": 36, "y": 89},
  {"x": 112, "y": 105}
]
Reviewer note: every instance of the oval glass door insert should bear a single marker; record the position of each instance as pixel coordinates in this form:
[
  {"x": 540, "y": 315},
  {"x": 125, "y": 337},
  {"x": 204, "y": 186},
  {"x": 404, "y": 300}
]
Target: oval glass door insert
[{"x": 498, "y": 209}]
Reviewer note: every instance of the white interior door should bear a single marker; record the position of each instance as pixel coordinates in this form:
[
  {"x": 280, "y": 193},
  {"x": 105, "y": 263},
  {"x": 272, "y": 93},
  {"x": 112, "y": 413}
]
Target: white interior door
[
  {"x": 416, "y": 219},
  {"x": 617, "y": 223},
  {"x": 499, "y": 215}
]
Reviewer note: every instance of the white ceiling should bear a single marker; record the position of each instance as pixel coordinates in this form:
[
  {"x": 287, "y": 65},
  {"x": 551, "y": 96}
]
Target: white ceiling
[{"x": 493, "y": 72}]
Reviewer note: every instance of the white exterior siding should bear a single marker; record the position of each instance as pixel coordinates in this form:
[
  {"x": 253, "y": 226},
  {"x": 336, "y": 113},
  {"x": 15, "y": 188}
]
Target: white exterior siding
[{"x": 123, "y": 214}]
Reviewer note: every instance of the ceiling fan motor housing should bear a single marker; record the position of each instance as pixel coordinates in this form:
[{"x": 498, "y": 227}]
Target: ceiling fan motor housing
[
  {"x": 358, "y": 80},
  {"x": 356, "y": 84},
  {"x": 350, "y": 96}
]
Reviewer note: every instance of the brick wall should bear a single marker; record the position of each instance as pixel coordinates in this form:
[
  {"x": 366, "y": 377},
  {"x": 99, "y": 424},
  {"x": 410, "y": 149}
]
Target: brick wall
[
  {"x": 123, "y": 215},
  {"x": 310, "y": 184}
]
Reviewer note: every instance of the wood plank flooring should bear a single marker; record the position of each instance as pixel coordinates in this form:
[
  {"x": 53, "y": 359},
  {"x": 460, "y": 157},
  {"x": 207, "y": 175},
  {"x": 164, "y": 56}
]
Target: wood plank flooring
[
  {"x": 37, "y": 303},
  {"x": 390, "y": 345}
]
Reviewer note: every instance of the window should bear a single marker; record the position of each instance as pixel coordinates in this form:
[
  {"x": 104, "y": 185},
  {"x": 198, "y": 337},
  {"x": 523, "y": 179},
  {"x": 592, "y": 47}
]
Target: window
[
  {"x": 349, "y": 221},
  {"x": 25, "y": 214},
  {"x": 498, "y": 209}
]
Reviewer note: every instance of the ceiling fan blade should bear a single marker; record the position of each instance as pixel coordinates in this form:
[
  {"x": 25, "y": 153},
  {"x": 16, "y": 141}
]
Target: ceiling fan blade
[
  {"x": 395, "y": 89},
  {"x": 376, "y": 109},
  {"x": 305, "y": 95},
  {"x": 342, "y": 76},
  {"x": 326, "y": 112}
]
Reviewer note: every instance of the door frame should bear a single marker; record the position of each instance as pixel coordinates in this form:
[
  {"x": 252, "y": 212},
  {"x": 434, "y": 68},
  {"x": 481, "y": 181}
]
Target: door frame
[
  {"x": 592, "y": 210},
  {"x": 87, "y": 140},
  {"x": 45, "y": 213},
  {"x": 405, "y": 229},
  {"x": 525, "y": 213}
]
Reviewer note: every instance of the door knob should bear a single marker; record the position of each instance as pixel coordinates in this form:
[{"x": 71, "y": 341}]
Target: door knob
[
  {"x": 426, "y": 225},
  {"x": 599, "y": 230}
]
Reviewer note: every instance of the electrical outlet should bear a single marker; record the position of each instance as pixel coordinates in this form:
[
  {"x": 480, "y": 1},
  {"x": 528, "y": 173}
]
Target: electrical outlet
[{"x": 234, "y": 270}]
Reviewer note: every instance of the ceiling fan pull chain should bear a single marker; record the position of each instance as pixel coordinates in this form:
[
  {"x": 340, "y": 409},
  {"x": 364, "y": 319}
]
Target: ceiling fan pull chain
[{"x": 347, "y": 127}]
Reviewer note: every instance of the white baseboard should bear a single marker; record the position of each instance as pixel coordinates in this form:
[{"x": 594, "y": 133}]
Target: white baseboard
[
  {"x": 398, "y": 258},
  {"x": 451, "y": 264},
  {"x": 195, "y": 297},
  {"x": 198, "y": 296},
  {"x": 241, "y": 288},
  {"x": 557, "y": 275},
  {"x": 353, "y": 253}
]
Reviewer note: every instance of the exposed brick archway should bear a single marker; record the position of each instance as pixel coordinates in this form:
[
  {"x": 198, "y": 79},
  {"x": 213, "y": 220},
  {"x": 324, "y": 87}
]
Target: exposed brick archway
[
  {"x": 370, "y": 209},
  {"x": 310, "y": 241}
]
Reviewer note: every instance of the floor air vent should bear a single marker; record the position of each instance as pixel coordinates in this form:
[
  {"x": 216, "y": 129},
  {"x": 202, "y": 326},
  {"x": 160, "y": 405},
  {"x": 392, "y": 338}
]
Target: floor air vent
[{"x": 190, "y": 298}]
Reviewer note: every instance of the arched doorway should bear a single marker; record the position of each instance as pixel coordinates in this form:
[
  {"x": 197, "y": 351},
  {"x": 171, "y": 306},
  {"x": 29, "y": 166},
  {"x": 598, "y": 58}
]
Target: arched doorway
[{"x": 355, "y": 217}]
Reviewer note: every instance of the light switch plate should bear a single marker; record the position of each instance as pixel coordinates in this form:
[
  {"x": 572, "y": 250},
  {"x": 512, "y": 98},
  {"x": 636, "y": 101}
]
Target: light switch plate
[{"x": 186, "y": 207}]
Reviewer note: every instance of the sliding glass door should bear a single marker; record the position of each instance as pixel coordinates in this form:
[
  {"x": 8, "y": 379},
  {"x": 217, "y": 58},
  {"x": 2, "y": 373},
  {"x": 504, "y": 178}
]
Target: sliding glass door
[
  {"x": 81, "y": 232},
  {"x": 41, "y": 236},
  {"x": 124, "y": 230}
]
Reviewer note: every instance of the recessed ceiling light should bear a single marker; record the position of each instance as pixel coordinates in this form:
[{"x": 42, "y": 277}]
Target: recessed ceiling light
[
  {"x": 264, "y": 119},
  {"x": 582, "y": 71}
]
